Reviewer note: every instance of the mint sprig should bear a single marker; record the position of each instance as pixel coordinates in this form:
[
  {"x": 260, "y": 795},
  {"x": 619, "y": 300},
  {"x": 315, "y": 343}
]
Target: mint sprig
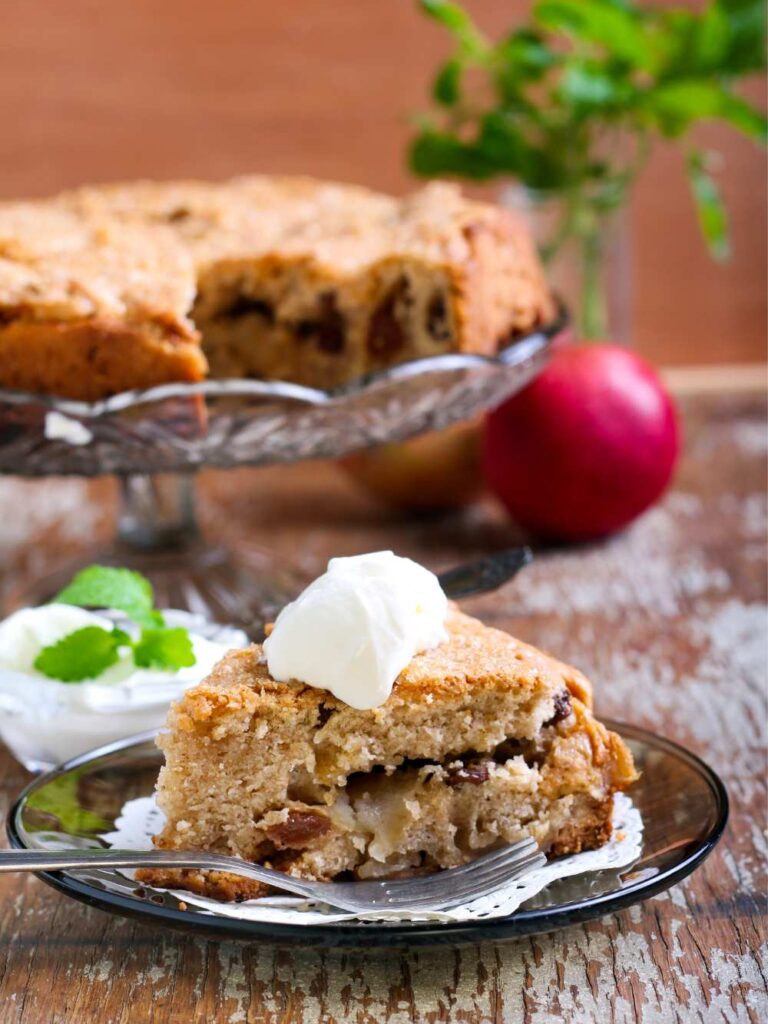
[
  {"x": 158, "y": 648},
  {"x": 101, "y": 586},
  {"x": 86, "y": 653},
  {"x": 571, "y": 101}
]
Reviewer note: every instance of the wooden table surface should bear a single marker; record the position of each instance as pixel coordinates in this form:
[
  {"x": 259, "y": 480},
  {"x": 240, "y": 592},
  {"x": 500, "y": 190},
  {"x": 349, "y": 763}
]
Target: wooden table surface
[{"x": 669, "y": 619}]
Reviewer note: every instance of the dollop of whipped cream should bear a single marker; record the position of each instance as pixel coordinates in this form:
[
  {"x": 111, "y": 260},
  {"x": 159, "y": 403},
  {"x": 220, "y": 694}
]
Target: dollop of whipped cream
[
  {"x": 45, "y": 721},
  {"x": 24, "y": 633},
  {"x": 355, "y": 628}
]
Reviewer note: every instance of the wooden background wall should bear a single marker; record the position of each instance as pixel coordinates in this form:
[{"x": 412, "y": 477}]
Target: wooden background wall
[{"x": 93, "y": 90}]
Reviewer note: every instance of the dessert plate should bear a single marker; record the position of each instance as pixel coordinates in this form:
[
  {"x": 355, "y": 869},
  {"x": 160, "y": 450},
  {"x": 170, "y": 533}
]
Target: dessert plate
[{"x": 683, "y": 803}]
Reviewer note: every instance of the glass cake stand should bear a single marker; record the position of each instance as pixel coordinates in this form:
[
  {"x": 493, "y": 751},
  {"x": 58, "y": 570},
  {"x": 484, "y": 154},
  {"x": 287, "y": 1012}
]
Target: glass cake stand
[{"x": 155, "y": 440}]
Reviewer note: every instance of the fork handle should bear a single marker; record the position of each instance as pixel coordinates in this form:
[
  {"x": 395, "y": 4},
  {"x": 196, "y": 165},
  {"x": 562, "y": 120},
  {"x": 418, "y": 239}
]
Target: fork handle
[
  {"x": 484, "y": 574},
  {"x": 44, "y": 860}
]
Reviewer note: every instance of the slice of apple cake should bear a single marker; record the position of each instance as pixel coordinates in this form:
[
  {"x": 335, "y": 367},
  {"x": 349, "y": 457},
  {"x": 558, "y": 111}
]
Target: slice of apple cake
[{"x": 482, "y": 741}]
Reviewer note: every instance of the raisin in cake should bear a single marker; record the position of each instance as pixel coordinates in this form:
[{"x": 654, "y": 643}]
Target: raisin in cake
[
  {"x": 483, "y": 740},
  {"x": 108, "y": 288}
]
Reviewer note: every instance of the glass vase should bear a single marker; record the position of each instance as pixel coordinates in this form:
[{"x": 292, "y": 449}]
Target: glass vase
[{"x": 586, "y": 252}]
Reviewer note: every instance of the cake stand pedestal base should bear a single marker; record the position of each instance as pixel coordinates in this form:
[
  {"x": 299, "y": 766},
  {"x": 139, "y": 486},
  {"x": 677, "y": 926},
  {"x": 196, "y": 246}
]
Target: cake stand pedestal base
[{"x": 158, "y": 536}]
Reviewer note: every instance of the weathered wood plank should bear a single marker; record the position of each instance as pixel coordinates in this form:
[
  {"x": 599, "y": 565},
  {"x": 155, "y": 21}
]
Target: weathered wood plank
[{"x": 670, "y": 621}]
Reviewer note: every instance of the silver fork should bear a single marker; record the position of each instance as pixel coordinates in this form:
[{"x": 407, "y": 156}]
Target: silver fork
[{"x": 440, "y": 891}]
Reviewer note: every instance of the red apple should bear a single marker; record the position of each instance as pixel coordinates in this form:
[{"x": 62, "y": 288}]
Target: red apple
[
  {"x": 586, "y": 447},
  {"x": 439, "y": 470}
]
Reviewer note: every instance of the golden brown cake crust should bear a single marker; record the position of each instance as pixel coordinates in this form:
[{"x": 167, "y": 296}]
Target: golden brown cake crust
[
  {"x": 284, "y": 278},
  {"x": 92, "y": 306},
  {"x": 88, "y": 359},
  {"x": 217, "y": 885}
]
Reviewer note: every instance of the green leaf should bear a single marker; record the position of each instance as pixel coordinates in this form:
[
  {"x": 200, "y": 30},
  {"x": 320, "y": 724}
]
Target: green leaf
[
  {"x": 710, "y": 39},
  {"x": 500, "y": 148},
  {"x": 618, "y": 28},
  {"x": 59, "y": 805},
  {"x": 527, "y": 53},
  {"x": 590, "y": 88},
  {"x": 101, "y": 586},
  {"x": 746, "y": 35},
  {"x": 447, "y": 85},
  {"x": 744, "y": 116},
  {"x": 727, "y": 39},
  {"x": 504, "y": 145},
  {"x": 449, "y": 14},
  {"x": 83, "y": 654},
  {"x": 162, "y": 648},
  {"x": 435, "y": 154},
  {"x": 713, "y": 219},
  {"x": 677, "y": 105},
  {"x": 518, "y": 60},
  {"x": 459, "y": 23}
]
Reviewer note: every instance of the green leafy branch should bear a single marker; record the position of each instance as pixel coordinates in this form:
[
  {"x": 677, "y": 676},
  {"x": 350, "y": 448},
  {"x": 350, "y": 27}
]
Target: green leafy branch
[
  {"x": 86, "y": 653},
  {"x": 570, "y": 102}
]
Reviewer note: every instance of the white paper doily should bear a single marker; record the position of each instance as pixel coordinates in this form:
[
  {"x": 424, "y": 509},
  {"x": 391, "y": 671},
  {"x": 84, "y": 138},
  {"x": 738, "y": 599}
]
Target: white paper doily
[{"x": 140, "y": 819}]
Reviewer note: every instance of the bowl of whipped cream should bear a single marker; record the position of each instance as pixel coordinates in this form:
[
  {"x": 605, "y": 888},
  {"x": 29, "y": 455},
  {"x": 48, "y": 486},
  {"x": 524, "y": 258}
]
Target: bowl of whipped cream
[{"x": 46, "y": 720}]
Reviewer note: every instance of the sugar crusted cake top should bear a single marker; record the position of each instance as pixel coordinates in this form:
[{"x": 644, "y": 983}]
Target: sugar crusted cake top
[
  {"x": 475, "y": 659},
  {"x": 134, "y": 249},
  {"x": 56, "y": 264}
]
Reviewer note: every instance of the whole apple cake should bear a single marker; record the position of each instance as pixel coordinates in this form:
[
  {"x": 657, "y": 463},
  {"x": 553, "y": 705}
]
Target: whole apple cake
[
  {"x": 114, "y": 287},
  {"x": 482, "y": 741}
]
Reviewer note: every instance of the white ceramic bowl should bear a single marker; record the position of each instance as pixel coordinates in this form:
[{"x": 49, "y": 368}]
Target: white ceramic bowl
[{"x": 44, "y": 722}]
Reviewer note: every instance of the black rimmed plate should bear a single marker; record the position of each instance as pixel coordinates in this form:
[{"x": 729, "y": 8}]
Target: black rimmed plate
[{"x": 683, "y": 803}]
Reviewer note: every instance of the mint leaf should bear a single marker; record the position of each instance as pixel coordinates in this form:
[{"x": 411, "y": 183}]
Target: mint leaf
[
  {"x": 163, "y": 648},
  {"x": 87, "y": 652},
  {"x": 101, "y": 586},
  {"x": 677, "y": 104},
  {"x": 459, "y": 23},
  {"x": 620, "y": 30},
  {"x": 438, "y": 153},
  {"x": 451, "y": 15},
  {"x": 521, "y": 57},
  {"x": 84, "y": 654},
  {"x": 589, "y": 87},
  {"x": 548, "y": 102},
  {"x": 709, "y": 206},
  {"x": 447, "y": 85},
  {"x": 746, "y": 35}
]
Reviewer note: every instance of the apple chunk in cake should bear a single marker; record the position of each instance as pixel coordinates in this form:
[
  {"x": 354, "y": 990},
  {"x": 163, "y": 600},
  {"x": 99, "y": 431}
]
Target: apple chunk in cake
[{"x": 484, "y": 740}]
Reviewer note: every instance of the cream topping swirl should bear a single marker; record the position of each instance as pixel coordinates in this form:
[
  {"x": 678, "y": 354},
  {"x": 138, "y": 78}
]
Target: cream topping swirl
[{"x": 356, "y": 627}]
